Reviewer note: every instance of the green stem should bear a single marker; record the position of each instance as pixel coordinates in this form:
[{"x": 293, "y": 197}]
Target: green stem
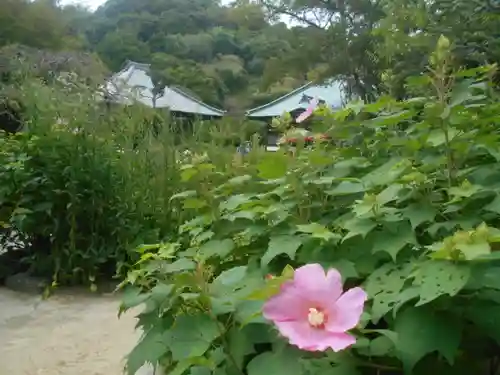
[{"x": 222, "y": 332}]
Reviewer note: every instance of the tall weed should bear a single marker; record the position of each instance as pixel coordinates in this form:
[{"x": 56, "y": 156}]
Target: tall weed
[{"x": 87, "y": 182}]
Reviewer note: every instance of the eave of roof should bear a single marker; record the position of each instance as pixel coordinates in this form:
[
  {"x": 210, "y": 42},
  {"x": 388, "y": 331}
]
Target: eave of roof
[
  {"x": 146, "y": 67},
  {"x": 281, "y": 98}
]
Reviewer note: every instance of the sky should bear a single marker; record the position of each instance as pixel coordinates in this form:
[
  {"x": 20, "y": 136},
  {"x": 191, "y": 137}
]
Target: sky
[{"x": 94, "y": 4}]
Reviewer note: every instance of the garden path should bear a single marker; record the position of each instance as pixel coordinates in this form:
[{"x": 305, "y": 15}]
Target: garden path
[{"x": 71, "y": 333}]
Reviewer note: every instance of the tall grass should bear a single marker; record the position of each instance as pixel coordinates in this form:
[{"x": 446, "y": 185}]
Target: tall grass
[{"x": 87, "y": 183}]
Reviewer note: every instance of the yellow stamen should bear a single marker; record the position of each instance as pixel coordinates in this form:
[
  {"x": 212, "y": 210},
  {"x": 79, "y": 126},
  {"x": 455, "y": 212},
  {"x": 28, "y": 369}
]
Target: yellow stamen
[{"x": 316, "y": 318}]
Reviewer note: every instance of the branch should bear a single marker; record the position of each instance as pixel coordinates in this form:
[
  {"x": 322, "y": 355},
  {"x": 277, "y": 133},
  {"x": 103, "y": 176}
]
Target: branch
[{"x": 283, "y": 10}]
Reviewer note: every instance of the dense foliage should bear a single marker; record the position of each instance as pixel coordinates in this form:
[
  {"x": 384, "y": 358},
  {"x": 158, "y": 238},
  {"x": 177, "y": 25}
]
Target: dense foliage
[
  {"x": 403, "y": 201},
  {"x": 242, "y": 54},
  {"x": 405, "y": 206},
  {"x": 84, "y": 184}
]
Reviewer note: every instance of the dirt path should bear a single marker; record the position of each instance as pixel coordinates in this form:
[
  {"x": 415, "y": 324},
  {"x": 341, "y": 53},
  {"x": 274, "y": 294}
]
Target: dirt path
[{"x": 77, "y": 334}]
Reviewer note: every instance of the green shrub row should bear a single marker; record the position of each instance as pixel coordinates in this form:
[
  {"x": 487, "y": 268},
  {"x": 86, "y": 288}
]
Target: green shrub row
[{"x": 406, "y": 208}]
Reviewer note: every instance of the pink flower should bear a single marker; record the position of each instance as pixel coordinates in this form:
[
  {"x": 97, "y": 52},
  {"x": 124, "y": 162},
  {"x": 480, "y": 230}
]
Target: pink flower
[
  {"x": 313, "y": 313},
  {"x": 308, "y": 112}
]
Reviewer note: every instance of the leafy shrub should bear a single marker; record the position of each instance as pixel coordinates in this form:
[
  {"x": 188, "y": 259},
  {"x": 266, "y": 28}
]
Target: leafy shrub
[
  {"x": 409, "y": 212},
  {"x": 84, "y": 184},
  {"x": 67, "y": 195}
]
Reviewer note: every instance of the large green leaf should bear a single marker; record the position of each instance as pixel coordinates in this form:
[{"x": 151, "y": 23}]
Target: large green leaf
[
  {"x": 281, "y": 244},
  {"x": 229, "y": 278},
  {"x": 437, "y": 278},
  {"x": 318, "y": 231},
  {"x": 422, "y": 331},
  {"x": 419, "y": 213},
  {"x": 240, "y": 345},
  {"x": 389, "y": 194},
  {"x": 384, "y": 288},
  {"x": 394, "y": 238},
  {"x": 216, "y": 248},
  {"x": 191, "y": 335},
  {"x": 494, "y": 205},
  {"x": 150, "y": 349},
  {"x": 277, "y": 363},
  {"x": 346, "y": 187},
  {"x": 357, "y": 226},
  {"x": 386, "y": 173},
  {"x": 485, "y": 318},
  {"x": 273, "y": 166},
  {"x": 133, "y": 297}
]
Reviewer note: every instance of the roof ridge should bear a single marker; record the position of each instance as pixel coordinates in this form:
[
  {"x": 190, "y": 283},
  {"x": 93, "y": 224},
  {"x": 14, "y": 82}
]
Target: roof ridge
[
  {"x": 293, "y": 92},
  {"x": 147, "y": 67}
]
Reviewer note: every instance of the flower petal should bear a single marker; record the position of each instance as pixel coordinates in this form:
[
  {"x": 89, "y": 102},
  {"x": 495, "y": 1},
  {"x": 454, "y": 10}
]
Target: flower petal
[
  {"x": 345, "y": 313},
  {"x": 340, "y": 341},
  {"x": 288, "y": 304},
  {"x": 317, "y": 287},
  {"x": 334, "y": 281},
  {"x": 302, "y": 335}
]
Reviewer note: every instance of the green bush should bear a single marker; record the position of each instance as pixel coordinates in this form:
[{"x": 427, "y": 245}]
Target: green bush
[
  {"x": 409, "y": 212},
  {"x": 85, "y": 184},
  {"x": 66, "y": 193}
]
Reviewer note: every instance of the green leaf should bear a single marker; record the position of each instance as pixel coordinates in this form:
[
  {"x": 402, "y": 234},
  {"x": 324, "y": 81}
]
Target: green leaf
[
  {"x": 381, "y": 346},
  {"x": 394, "y": 239},
  {"x": 437, "y": 137},
  {"x": 191, "y": 336},
  {"x": 179, "y": 265},
  {"x": 465, "y": 190},
  {"x": 485, "y": 317},
  {"x": 198, "y": 370},
  {"x": 422, "y": 331},
  {"x": 346, "y": 187},
  {"x": 326, "y": 367},
  {"x": 387, "y": 173},
  {"x": 188, "y": 174},
  {"x": 318, "y": 231},
  {"x": 389, "y": 194},
  {"x": 240, "y": 345},
  {"x": 185, "y": 364},
  {"x": 284, "y": 244},
  {"x": 437, "y": 278},
  {"x": 235, "y": 201},
  {"x": 461, "y": 93},
  {"x": 273, "y": 166},
  {"x": 133, "y": 297},
  {"x": 194, "y": 203},
  {"x": 359, "y": 227},
  {"x": 472, "y": 251},
  {"x": 493, "y": 206},
  {"x": 150, "y": 349},
  {"x": 419, "y": 213},
  {"x": 239, "y": 180},
  {"x": 405, "y": 296},
  {"x": 275, "y": 363},
  {"x": 485, "y": 278},
  {"x": 229, "y": 277},
  {"x": 161, "y": 292},
  {"x": 184, "y": 194},
  {"x": 216, "y": 248},
  {"x": 346, "y": 268},
  {"x": 384, "y": 288}
]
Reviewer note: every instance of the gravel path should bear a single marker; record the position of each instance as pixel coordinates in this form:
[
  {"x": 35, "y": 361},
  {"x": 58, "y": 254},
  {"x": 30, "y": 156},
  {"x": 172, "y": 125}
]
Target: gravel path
[{"x": 68, "y": 334}]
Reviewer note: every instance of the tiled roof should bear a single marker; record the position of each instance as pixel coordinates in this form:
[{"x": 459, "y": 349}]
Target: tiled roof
[
  {"x": 133, "y": 84},
  {"x": 330, "y": 94}
]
